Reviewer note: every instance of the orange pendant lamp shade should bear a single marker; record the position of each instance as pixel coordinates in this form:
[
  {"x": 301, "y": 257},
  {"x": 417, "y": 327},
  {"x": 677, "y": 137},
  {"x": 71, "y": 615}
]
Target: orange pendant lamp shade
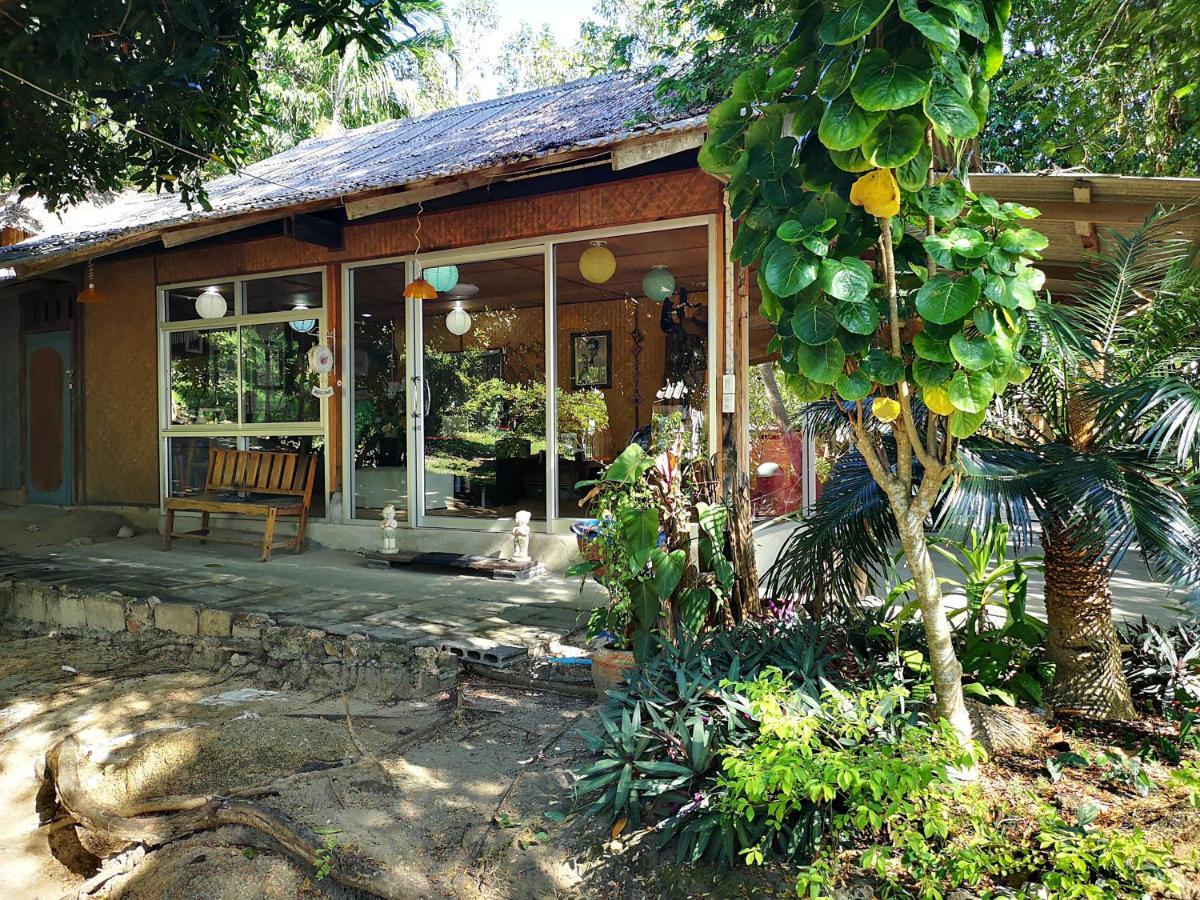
[
  {"x": 420, "y": 289},
  {"x": 90, "y": 294}
]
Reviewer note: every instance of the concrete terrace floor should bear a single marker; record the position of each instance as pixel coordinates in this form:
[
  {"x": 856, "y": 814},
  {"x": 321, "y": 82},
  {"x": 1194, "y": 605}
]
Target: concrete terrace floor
[{"x": 328, "y": 589}]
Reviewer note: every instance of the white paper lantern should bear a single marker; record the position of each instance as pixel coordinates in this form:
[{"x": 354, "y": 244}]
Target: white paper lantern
[
  {"x": 458, "y": 322},
  {"x": 210, "y": 304}
]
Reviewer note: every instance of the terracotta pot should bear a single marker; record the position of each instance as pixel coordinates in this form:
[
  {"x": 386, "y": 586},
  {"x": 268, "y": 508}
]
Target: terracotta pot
[{"x": 607, "y": 667}]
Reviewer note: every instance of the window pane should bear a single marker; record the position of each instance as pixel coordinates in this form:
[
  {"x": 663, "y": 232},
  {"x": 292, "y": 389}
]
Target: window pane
[
  {"x": 203, "y": 376},
  {"x": 485, "y": 392},
  {"x": 181, "y": 302},
  {"x": 283, "y": 293},
  {"x": 187, "y": 462},
  {"x": 379, "y": 403},
  {"x": 276, "y": 383},
  {"x": 301, "y": 443},
  {"x": 631, "y": 368}
]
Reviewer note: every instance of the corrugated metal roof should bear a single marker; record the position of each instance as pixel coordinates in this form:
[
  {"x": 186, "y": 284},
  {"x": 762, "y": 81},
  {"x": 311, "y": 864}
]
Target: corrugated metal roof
[{"x": 591, "y": 112}]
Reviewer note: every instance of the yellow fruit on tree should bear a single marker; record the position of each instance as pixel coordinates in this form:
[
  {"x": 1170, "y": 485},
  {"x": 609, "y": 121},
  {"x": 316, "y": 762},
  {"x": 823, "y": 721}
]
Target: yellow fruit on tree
[
  {"x": 937, "y": 400},
  {"x": 886, "y": 409},
  {"x": 877, "y": 193}
]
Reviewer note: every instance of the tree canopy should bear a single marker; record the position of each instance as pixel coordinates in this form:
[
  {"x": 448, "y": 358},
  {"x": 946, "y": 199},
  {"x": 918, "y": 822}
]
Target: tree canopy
[{"x": 149, "y": 93}]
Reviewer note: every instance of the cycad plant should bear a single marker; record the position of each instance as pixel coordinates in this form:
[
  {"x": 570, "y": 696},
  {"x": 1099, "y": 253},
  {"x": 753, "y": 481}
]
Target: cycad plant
[{"x": 1094, "y": 454}]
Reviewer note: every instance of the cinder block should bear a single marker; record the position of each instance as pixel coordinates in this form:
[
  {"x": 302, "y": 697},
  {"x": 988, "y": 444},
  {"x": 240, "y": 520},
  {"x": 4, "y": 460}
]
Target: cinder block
[
  {"x": 139, "y": 616},
  {"x": 215, "y": 622},
  {"x": 180, "y": 618},
  {"x": 104, "y": 612},
  {"x": 249, "y": 625},
  {"x": 29, "y": 601},
  {"x": 65, "y": 610}
]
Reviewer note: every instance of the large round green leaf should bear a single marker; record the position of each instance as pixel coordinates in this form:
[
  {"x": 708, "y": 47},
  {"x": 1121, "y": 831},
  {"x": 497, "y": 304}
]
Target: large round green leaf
[
  {"x": 858, "y": 316},
  {"x": 882, "y": 367},
  {"x": 883, "y": 82},
  {"x": 929, "y": 347},
  {"x": 968, "y": 243},
  {"x": 850, "y": 160},
  {"x": 805, "y": 390},
  {"x": 963, "y": 424},
  {"x": 943, "y": 300},
  {"x": 848, "y": 278},
  {"x": 789, "y": 270},
  {"x": 1021, "y": 240},
  {"x": 914, "y": 174},
  {"x": 939, "y": 25},
  {"x": 854, "y": 386},
  {"x": 971, "y": 392},
  {"x": 971, "y": 16},
  {"x": 814, "y": 323},
  {"x": 944, "y": 200},
  {"x": 845, "y": 124},
  {"x": 928, "y": 373},
  {"x": 948, "y": 106},
  {"x": 974, "y": 353},
  {"x": 853, "y": 344},
  {"x": 838, "y": 73},
  {"x": 821, "y": 364},
  {"x": 895, "y": 140},
  {"x": 853, "y": 21}
]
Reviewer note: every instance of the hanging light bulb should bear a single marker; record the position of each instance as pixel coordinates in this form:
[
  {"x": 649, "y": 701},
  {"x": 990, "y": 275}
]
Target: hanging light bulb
[
  {"x": 597, "y": 264},
  {"x": 659, "y": 283},
  {"x": 90, "y": 294},
  {"x": 442, "y": 278},
  {"x": 210, "y": 304},
  {"x": 458, "y": 321}
]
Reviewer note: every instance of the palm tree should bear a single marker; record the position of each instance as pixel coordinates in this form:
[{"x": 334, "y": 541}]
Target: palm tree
[{"x": 1097, "y": 448}]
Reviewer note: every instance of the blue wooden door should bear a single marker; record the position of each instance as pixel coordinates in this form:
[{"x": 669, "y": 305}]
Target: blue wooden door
[{"x": 48, "y": 417}]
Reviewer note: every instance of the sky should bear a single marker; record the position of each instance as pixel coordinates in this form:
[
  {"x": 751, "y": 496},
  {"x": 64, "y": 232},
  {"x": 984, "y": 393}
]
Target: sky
[{"x": 563, "y": 15}]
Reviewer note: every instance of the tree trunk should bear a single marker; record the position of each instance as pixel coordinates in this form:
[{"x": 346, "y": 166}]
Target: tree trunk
[
  {"x": 1082, "y": 640},
  {"x": 943, "y": 662}
]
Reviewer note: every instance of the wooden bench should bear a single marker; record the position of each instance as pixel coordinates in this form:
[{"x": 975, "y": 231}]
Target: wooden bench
[{"x": 250, "y": 483}]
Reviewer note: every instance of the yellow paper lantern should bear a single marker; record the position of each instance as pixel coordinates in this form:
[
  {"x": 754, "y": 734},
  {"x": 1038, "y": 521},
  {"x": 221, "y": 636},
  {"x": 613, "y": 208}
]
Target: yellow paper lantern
[
  {"x": 877, "y": 193},
  {"x": 597, "y": 264}
]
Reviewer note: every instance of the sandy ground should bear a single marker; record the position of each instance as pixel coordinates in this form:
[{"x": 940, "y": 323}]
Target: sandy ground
[{"x": 443, "y": 815}]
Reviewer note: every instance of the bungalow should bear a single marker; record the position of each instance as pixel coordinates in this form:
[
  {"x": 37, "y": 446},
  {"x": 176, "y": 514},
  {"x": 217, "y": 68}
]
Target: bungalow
[{"x": 462, "y": 315}]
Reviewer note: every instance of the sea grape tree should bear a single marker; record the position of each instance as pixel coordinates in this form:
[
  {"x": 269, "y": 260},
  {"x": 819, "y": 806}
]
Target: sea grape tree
[{"x": 892, "y": 287}]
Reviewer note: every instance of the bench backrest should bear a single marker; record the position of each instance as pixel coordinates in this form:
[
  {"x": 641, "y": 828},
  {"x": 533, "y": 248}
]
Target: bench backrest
[{"x": 261, "y": 472}]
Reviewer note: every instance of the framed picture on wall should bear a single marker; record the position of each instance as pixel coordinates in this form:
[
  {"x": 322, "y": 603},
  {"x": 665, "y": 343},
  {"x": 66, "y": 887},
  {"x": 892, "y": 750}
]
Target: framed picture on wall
[{"x": 591, "y": 359}]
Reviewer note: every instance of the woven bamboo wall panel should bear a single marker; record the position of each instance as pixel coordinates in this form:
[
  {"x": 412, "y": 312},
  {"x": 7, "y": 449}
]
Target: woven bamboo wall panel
[
  {"x": 647, "y": 199},
  {"x": 120, "y": 386}
]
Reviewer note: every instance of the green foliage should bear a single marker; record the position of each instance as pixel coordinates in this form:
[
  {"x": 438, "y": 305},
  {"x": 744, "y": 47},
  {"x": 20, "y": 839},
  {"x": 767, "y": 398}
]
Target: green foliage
[
  {"x": 662, "y": 730},
  {"x": 186, "y": 72},
  {"x": 644, "y": 510},
  {"x": 1162, "y": 663},
  {"x": 851, "y": 762}
]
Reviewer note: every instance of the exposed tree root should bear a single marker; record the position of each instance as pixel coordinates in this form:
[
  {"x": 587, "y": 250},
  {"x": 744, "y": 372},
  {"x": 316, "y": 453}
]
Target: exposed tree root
[
  {"x": 561, "y": 688},
  {"x": 158, "y": 822}
]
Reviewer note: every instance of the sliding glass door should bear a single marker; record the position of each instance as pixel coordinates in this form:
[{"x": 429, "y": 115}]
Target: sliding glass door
[{"x": 483, "y": 385}]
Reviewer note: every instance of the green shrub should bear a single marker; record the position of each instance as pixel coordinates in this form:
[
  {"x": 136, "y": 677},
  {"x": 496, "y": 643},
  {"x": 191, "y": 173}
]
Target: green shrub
[
  {"x": 664, "y": 727},
  {"x": 849, "y": 762}
]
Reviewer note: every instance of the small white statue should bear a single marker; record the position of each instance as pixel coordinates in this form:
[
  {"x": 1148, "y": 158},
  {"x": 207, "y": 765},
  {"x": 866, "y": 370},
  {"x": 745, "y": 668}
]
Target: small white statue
[
  {"x": 387, "y": 530},
  {"x": 520, "y": 535}
]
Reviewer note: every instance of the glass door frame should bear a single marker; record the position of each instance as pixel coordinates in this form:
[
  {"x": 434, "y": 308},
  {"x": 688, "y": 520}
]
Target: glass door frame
[{"x": 545, "y": 245}]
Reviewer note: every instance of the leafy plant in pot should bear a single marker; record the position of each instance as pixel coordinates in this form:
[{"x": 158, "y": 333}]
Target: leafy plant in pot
[{"x": 661, "y": 556}]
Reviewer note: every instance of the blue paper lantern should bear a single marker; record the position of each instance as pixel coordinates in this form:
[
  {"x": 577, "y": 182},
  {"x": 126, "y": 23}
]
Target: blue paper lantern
[
  {"x": 659, "y": 283},
  {"x": 443, "y": 278}
]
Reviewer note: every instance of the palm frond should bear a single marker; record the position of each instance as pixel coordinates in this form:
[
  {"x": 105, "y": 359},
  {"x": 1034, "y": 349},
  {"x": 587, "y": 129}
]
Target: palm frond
[
  {"x": 850, "y": 525},
  {"x": 1159, "y": 410},
  {"x": 993, "y": 483},
  {"x": 1137, "y": 271}
]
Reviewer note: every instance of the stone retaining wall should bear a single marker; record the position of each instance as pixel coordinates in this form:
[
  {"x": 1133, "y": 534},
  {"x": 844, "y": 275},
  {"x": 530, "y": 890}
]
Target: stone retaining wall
[{"x": 218, "y": 640}]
